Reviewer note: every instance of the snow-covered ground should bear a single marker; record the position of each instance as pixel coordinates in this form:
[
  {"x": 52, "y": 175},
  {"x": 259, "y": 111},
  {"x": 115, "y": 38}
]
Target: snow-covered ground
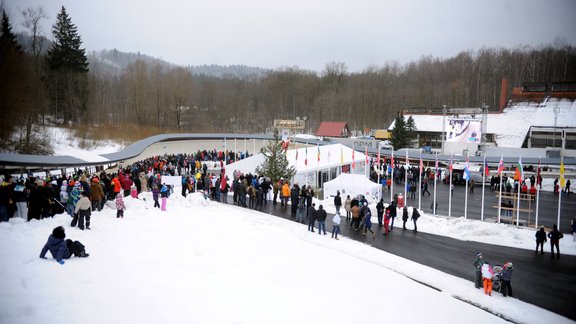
[
  {"x": 206, "y": 262},
  {"x": 64, "y": 143}
]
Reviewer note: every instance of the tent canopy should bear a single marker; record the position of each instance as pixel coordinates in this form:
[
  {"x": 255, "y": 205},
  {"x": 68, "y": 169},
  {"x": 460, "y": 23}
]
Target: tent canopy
[{"x": 353, "y": 185}]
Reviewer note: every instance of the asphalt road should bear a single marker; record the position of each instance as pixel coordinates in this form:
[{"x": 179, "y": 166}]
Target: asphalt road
[{"x": 537, "y": 279}]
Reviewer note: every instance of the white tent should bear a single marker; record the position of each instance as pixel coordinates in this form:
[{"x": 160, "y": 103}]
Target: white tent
[{"x": 353, "y": 185}]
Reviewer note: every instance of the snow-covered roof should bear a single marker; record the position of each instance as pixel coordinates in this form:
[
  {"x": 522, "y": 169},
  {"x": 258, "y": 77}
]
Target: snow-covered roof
[{"x": 512, "y": 125}]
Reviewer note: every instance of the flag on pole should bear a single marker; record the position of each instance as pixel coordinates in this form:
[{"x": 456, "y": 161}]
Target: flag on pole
[
  {"x": 296, "y": 155},
  {"x": 392, "y": 161},
  {"x": 366, "y": 155},
  {"x": 306, "y": 155},
  {"x": 318, "y": 145},
  {"x": 466, "y": 174},
  {"x": 562, "y": 180},
  {"x": 451, "y": 163},
  {"x": 421, "y": 164},
  {"x": 378, "y": 158},
  {"x": 353, "y": 163},
  {"x": 341, "y": 155},
  {"x": 486, "y": 169},
  {"x": 501, "y": 165},
  {"x": 519, "y": 174}
]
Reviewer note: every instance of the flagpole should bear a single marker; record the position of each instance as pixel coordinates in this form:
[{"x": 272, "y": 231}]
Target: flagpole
[
  {"x": 519, "y": 185},
  {"x": 392, "y": 176},
  {"x": 379, "y": 169},
  {"x": 450, "y": 189},
  {"x": 500, "y": 199},
  {"x": 560, "y": 190},
  {"x": 406, "y": 179},
  {"x": 435, "y": 177},
  {"x": 483, "y": 185},
  {"x": 537, "y": 193},
  {"x": 466, "y": 193},
  {"x": 420, "y": 182}
]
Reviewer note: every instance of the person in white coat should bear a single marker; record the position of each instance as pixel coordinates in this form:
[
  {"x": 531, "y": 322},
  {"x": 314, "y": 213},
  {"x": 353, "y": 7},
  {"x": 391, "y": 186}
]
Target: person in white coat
[
  {"x": 336, "y": 226},
  {"x": 487, "y": 275}
]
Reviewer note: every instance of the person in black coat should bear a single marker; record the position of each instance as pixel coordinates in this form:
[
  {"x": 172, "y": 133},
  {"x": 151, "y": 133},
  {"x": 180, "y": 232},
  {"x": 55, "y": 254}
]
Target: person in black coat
[
  {"x": 321, "y": 218},
  {"x": 414, "y": 218},
  {"x": 311, "y": 217},
  {"x": 380, "y": 211},
  {"x": 540, "y": 239},
  {"x": 404, "y": 217},
  {"x": 294, "y": 197},
  {"x": 555, "y": 235},
  {"x": 393, "y": 214},
  {"x": 338, "y": 202}
]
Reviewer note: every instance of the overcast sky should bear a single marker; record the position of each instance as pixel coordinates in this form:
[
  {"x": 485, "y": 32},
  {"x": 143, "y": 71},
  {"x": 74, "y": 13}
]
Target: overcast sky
[{"x": 308, "y": 33}]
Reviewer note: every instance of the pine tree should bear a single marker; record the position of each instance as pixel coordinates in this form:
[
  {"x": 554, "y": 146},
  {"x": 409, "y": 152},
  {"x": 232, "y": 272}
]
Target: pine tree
[
  {"x": 411, "y": 131},
  {"x": 68, "y": 68},
  {"x": 275, "y": 165},
  {"x": 399, "y": 139}
]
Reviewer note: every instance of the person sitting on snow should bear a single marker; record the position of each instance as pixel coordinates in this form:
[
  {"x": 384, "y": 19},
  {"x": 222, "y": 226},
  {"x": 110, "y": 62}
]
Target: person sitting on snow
[{"x": 60, "y": 248}]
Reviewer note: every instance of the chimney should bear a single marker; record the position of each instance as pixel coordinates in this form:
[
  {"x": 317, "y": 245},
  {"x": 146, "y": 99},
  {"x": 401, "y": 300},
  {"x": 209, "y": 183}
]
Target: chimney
[{"x": 503, "y": 94}]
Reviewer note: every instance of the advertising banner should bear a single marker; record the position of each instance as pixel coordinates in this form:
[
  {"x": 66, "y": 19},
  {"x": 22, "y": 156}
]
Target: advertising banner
[{"x": 461, "y": 130}]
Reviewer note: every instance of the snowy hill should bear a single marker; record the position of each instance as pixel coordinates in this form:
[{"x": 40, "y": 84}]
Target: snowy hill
[{"x": 205, "y": 262}]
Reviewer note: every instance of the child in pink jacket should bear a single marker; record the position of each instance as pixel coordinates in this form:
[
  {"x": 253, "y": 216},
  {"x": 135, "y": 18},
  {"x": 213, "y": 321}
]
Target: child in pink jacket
[{"x": 120, "y": 207}]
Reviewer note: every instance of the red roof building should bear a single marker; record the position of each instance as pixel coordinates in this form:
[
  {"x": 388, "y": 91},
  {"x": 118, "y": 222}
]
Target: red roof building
[{"x": 333, "y": 129}]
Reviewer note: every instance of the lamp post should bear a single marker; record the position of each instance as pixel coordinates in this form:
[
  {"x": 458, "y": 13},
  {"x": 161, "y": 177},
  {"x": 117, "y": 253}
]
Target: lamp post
[{"x": 443, "y": 127}]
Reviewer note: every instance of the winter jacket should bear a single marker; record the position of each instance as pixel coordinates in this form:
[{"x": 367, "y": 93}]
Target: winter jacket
[
  {"x": 83, "y": 204},
  {"x": 506, "y": 274},
  {"x": 555, "y": 235},
  {"x": 405, "y": 214},
  {"x": 336, "y": 220},
  {"x": 126, "y": 183},
  {"x": 393, "y": 210},
  {"x": 540, "y": 236},
  {"x": 355, "y": 212},
  {"x": 96, "y": 192},
  {"x": 285, "y": 190},
  {"x": 478, "y": 264},
  {"x": 415, "y": 214},
  {"x": 337, "y": 201},
  {"x": 487, "y": 271},
  {"x": 155, "y": 193},
  {"x": 57, "y": 247},
  {"x": 321, "y": 215},
  {"x": 367, "y": 215},
  {"x": 348, "y": 204},
  {"x": 120, "y": 202}
]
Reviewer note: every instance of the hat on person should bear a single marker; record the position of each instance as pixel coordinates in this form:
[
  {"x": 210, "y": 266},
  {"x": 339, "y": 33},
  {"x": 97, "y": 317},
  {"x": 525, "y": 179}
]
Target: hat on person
[
  {"x": 479, "y": 255},
  {"x": 509, "y": 265},
  {"x": 53, "y": 182}
]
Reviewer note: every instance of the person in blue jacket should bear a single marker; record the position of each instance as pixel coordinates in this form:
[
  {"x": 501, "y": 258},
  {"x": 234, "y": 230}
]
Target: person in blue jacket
[{"x": 62, "y": 248}]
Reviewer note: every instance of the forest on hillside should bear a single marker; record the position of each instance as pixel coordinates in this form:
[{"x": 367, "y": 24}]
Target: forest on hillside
[{"x": 58, "y": 85}]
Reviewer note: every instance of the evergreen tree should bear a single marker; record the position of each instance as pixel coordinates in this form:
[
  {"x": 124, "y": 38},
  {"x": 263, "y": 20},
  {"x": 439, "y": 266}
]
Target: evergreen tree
[
  {"x": 411, "y": 131},
  {"x": 399, "y": 139},
  {"x": 12, "y": 80},
  {"x": 68, "y": 69},
  {"x": 275, "y": 165}
]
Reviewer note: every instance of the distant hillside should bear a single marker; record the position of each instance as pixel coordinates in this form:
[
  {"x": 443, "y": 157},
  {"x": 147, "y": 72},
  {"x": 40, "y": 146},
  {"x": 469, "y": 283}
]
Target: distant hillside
[{"x": 115, "y": 61}]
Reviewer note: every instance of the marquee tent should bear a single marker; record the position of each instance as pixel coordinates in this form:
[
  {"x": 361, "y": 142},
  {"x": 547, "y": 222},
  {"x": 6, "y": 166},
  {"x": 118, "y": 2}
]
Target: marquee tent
[{"x": 353, "y": 185}]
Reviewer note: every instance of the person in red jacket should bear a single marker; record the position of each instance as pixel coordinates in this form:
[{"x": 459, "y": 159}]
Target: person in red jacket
[
  {"x": 126, "y": 185},
  {"x": 115, "y": 187}
]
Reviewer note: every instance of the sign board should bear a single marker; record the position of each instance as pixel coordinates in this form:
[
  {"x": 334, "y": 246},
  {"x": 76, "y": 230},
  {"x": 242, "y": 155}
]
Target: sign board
[
  {"x": 289, "y": 123},
  {"x": 463, "y": 130},
  {"x": 172, "y": 180}
]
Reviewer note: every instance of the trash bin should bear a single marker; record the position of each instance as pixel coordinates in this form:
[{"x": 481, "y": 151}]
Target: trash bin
[{"x": 400, "y": 201}]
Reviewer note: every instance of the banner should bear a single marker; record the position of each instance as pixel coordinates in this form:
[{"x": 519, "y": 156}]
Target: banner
[{"x": 464, "y": 130}]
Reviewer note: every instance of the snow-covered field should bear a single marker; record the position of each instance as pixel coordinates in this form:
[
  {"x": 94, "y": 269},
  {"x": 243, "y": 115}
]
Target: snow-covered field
[{"x": 205, "y": 262}]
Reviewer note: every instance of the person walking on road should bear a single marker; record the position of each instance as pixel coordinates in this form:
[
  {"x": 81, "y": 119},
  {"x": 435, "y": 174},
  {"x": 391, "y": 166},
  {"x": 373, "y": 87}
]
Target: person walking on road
[
  {"x": 380, "y": 211},
  {"x": 348, "y": 207},
  {"x": 335, "y": 226},
  {"x": 311, "y": 217},
  {"x": 487, "y": 275},
  {"x": 386, "y": 221},
  {"x": 338, "y": 202},
  {"x": 414, "y": 218},
  {"x": 540, "y": 239},
  {"x": 392, "y": 214},
  {"x": 355, "y": 217},
  {"x": 478, "y": 266},
  {"x": 367, "y": 220},
  {"x": 555, "y": 235},
  {"x": 404, "y": 217},
  {"x": 321, "y": 218},
  {"x": 506, "y": 278}
]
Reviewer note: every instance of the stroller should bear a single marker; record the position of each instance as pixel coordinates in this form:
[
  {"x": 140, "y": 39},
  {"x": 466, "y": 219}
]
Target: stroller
[{"x": 497, "y": 279}]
